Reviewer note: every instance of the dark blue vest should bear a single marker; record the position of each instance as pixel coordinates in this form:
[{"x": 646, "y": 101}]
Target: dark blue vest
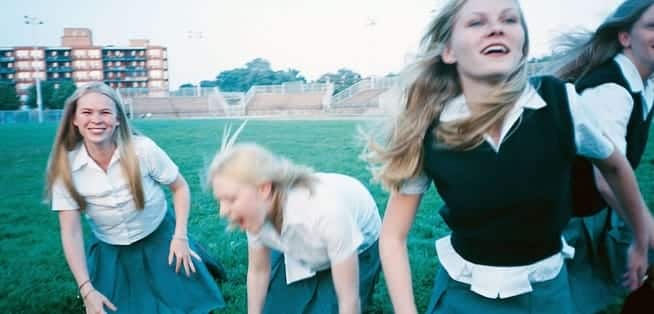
[
  {"x": 587, "y": 200},
  {"x": 509, "y": 208}
]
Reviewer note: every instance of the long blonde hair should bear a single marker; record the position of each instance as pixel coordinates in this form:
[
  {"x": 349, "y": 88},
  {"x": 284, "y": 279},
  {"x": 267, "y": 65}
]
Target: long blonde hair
[
  {"x": 577, "y": 53},
  {"x": 68, "y": 138},
  {"x": 253, "y": 164},
  {"x": 433, "y": 83}
]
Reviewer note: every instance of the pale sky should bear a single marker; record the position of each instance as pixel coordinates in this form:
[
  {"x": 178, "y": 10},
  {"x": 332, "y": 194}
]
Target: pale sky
[{"x": 371, "y": 37}]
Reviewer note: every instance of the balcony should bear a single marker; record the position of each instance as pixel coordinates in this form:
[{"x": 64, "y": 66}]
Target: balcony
[
  {"x": 7, "y": 81},
  {"x": 59, "y": 69},
  {"x": 123, "y": 58},
  {"x": 60, "y": 79},
  {"x": 7, "y": 59},
  {"x": 58, "y": 58},
  {"x": 114, "y": 69},
  {"x": 7, "y": 70}
]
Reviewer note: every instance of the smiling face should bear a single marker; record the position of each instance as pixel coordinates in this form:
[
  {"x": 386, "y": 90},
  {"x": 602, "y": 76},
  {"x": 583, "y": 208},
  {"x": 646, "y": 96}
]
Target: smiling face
[
  {"x": 96, "y": 119},
  {"x": 243, "y": 205},
  {"x": 638, "y": 43},
  {"x": 488, "y": 40}
]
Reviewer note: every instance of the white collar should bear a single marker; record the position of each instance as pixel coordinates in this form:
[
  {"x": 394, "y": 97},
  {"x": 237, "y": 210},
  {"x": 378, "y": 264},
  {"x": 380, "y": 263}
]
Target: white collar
[
  {"x": 630, "y": 73},
  {"x": 457, "y": 108},
  {"x": 632, "y": 76},
  {"x": 81, "y": 157}
]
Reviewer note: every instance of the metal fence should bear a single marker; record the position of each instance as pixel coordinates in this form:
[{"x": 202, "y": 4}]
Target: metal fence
[{"x": 28, "y": 116}]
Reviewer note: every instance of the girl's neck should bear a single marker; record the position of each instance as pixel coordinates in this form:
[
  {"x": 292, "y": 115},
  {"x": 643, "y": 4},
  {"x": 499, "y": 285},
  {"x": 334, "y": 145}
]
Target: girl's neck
[
  {"x": 645, "y": 70},
  {"x": 476, "y": 92},
  {"x": 101, "y": 154}
]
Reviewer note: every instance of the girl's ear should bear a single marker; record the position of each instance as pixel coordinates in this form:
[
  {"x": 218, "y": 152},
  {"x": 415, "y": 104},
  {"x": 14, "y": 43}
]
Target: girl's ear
[
  {"x": 265, "y": 190},
  {"x": 448, "y": 56},
  {"x": 625, "y": 39}
]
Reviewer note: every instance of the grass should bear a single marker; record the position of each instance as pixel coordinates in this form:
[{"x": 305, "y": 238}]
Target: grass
[{"x": 33, "y": 270}]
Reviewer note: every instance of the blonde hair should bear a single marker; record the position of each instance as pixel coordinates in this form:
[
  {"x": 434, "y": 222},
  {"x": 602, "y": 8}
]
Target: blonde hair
[
  {"x": 577, "y": 53},
  {"x": 432, "y": 84},
  {"x": 68, "y": 138},
  {"x": 253, "y": 164}
]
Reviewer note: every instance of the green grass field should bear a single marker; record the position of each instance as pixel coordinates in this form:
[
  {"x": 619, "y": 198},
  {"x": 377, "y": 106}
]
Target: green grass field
[{"x": 33, "y": 271}]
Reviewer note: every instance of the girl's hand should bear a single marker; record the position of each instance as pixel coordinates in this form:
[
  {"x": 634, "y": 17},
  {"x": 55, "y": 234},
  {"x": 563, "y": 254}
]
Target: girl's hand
[
  {"x": 95, "y": 302},
  {"x": 180, "y": 250}
]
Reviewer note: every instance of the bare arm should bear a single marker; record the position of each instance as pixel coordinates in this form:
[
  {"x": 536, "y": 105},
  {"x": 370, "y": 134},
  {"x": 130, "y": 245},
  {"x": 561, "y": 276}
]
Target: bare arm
[
  {"x": 258, "y": 278},
  {"x": 620, "y": 177},
  {"x": 610, "y": 198},
  {"x": 400, "y": 214},
  {"x": 73, "y": 245},
  {"x": 346, "y": 283},
  {"x": 181, "y": 203}
]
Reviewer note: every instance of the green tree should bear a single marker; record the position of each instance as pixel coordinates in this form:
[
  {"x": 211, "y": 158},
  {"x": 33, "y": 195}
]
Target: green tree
[
  {"x": 255, "y": 72},
  {"x": 60, "y": 93},
  {"x": 186, "y": 85},
  {"x": 342, "y": 79},
  {"x": 47, "y": 89},
  {"x": 53, "y": 94},
  {"x": 8, "y": 98}
]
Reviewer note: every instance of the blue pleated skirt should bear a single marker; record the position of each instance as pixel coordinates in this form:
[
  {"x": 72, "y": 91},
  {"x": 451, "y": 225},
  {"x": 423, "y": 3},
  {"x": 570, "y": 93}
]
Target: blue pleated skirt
[
  {"x": 316, "y": 295},
  {"x": 137, "y": 278}
]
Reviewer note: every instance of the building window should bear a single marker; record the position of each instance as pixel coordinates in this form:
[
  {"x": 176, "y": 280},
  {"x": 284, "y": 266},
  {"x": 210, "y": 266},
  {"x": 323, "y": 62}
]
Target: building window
[{"x": 67, "y": 75}]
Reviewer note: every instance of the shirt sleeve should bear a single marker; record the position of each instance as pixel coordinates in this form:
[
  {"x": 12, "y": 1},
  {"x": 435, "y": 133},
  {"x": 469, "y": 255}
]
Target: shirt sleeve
[
  {"x": 590, "y": 140},
  {"x": 341, "y": 233},
  {"x": 416, "y": 185},
  {"x": 61, "y": 198},
  {"x": 611, "y": 106},
  {"x": 159, "y": 166}
]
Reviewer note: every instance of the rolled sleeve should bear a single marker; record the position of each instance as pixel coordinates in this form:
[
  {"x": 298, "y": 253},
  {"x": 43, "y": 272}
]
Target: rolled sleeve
[
  {"x": 160, "y": 167},
  {"x": 61, "y": 198},
  {"x": 416, "y": 185},
  {"x": 590, "y": 140}
]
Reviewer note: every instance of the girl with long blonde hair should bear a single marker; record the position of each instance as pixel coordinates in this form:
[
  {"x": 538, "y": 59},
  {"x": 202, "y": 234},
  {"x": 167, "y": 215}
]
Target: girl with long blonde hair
[
  {"x": 499, "y": 149},
  {"x": 312, "y": 237},
  {"x": 98, "y": 167}
]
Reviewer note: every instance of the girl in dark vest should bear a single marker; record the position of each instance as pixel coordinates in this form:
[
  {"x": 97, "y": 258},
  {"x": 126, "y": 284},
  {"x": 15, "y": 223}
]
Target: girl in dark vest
[
  {"x": 499, "y": 150},
  {"x": 610, "y": 69}
]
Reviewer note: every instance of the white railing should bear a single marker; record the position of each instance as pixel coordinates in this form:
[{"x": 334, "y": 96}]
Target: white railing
[{"x": 365, "y": 84}]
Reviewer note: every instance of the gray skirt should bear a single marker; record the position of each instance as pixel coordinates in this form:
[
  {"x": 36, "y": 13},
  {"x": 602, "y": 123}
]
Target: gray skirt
[
  {"x": 317, "y": 294},
  {"x": 548, "y": 297},
  {"x": 137, "y": 278},
  {"x": 601, "y": 243}
]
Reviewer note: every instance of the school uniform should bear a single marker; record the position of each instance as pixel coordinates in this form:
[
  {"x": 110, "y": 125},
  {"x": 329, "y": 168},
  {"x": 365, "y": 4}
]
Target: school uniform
[
  {"x": 127, "y": 253},
  {"x": 616, "y": 95},
  {"x": 320, "y": 228},
  {"x": 508, "y": 203}
]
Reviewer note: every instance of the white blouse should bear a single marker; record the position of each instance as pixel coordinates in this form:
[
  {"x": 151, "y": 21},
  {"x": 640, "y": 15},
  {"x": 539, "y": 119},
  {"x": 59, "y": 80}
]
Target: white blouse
[{"x": 110, "y": 210}]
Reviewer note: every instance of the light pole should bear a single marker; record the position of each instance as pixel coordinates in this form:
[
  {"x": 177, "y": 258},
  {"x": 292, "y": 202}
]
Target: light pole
[
  {"x": 195, "y": 35},
  {"x": 34, "y": 22}
]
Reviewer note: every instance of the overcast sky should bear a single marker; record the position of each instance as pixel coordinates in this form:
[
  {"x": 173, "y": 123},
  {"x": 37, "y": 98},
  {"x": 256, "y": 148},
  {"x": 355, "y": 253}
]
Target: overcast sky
[{"x": 371, "y": 37}]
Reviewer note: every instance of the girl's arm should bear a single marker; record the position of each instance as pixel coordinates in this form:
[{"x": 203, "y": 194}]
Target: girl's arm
[
  {"x": 620, "y": 177},
  {"x": 73, "y": 245},
  {"x": 179, "y": 247},
  {"x": 346, "y": 283},
  {"x": 258, "y": 277},
  {"x": 400, "y": 214}
]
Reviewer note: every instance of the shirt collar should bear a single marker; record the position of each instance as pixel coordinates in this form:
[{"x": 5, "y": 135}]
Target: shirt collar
[
  {"x": 630, "y": 73},
  {"x": 636, "y": 85},
  {"x": 457, "y": 108},
  {"x": 81, "y": 157}
]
